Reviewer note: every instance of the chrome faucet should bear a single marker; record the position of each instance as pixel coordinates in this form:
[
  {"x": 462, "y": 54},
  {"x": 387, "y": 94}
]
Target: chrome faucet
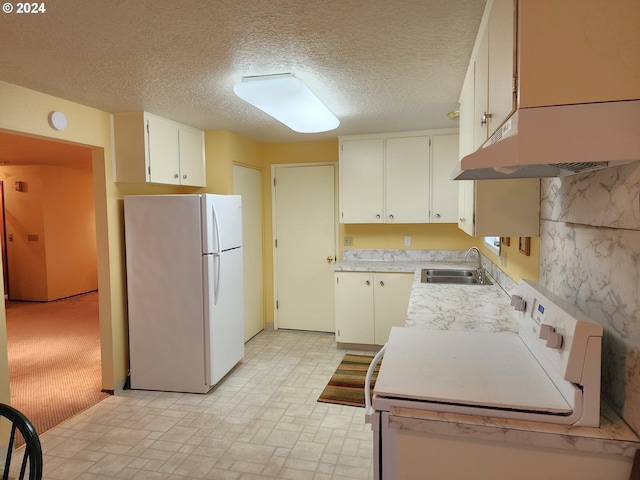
[{"x": 480, "y": 274}]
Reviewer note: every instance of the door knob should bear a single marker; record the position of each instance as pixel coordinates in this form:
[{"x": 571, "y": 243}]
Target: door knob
[{"x": 329, "y": 259}]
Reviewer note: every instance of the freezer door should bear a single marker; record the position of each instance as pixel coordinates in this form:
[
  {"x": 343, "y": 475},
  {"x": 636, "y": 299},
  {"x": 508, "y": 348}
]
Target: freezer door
[
  {"x": 225, "y": 320},
  {"x": 222, "y": 221}
]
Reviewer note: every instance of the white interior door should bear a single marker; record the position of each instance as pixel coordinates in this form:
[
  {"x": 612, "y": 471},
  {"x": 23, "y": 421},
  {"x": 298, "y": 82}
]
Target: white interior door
[
  {"x": 247, "y": 182},
  {"x": 305, "y": 232}
]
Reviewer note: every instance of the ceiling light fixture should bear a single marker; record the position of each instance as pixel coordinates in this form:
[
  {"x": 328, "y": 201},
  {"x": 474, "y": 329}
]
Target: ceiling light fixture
[{"x": 289, "y": 101}]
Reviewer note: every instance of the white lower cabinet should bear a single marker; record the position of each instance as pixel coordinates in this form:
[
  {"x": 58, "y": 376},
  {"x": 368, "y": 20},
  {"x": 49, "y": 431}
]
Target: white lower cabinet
[{"x": 369, "y": 304}]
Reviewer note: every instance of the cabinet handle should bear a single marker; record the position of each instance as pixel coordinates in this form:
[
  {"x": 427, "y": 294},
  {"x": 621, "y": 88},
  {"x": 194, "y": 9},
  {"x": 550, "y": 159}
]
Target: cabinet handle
[
  {"x": 391, "y": 217},
  {"x": 437, "y": 215},
  {"x": 378, "y": 216},
  {"x": 381, "y": 283},
  {"x": 462, "y": 219},
  {"x": 175, "y": 175},
  {"x": 184, "y": 176},
  {"x": 368, "y": 283},
  {"x": 485, "y": 117}
]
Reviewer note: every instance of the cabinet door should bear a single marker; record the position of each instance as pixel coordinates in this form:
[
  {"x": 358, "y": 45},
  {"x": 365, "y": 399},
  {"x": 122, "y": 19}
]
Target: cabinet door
[
  {"x": 502, "y": 31},
  {"x": 444, "y": 158},
  {"x": 361, "y": 181},
  {"x": 354, "y": 307},
  {"x": 192, "y": 165},
  {"x": 466, "y": 120},
  {"x": 494, "y": 97},
  {"x": 466, "y": 146},
  {"x": 407, "y": 180},
  {"x": 481, "y": 91},
  {"x": 164, "y": 152},
  {"x": 507, "y": 208},
  {"x": 466, "y": 206},
  {"x": 391, "y": 300}
]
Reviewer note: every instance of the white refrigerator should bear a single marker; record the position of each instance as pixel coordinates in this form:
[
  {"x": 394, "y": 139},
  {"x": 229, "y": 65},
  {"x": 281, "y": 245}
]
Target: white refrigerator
[{"x": 184, "y": 286}]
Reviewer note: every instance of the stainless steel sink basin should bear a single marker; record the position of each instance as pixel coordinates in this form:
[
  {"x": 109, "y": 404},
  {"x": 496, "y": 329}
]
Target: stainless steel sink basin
[
  {"x": 432, "y": 272},
  {"x": 456, "y": 277},
  {"x": 456, "y": 280}
]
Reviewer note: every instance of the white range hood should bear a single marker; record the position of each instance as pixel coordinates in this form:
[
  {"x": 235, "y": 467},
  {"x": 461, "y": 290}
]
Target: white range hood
[{"x": 554, "y": 141}]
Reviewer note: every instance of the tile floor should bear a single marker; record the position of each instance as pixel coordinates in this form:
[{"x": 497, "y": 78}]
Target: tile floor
[{"x": 262, "y": 422}]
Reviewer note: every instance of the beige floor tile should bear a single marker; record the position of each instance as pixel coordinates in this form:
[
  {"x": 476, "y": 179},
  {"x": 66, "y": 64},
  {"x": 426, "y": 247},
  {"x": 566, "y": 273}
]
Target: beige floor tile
[{"x": 262, "y": 422}]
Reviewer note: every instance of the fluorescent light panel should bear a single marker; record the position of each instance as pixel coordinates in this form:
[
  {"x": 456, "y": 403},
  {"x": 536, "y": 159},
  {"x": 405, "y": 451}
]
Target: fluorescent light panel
[{"x": 289, "y": 101}]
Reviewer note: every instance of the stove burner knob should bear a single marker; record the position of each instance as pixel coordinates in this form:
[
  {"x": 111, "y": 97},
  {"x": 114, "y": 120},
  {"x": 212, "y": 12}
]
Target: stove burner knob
[
  {"x": 518, "y": 303},
  {"x": 545, "y": 330},
  {"x": 554, "y": 340}
]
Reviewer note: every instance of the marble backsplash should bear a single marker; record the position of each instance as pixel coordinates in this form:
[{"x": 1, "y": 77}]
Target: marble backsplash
[
  {"x": 590, "y": 255},
  {"x": 417, "y": 256}
]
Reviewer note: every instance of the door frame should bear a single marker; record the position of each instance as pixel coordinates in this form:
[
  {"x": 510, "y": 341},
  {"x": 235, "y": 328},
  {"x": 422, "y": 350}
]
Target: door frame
[{"x": 336, "y": 232}]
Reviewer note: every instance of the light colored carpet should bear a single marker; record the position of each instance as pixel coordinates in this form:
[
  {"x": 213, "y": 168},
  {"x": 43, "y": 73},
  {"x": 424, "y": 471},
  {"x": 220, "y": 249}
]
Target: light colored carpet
[{"x": 54, "y": 358}]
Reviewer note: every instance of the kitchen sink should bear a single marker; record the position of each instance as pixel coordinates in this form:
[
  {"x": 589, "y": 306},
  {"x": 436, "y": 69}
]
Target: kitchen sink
[
  {"x": 448, "y": 273},
  {"x": 455, "y": 277}
]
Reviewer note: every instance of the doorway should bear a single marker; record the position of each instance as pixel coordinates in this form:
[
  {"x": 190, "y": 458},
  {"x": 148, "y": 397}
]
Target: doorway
[
  {"x": 304, "y": 229},
  {"x": 43, "y": 178},
  {"x": 247, "y": 182}
]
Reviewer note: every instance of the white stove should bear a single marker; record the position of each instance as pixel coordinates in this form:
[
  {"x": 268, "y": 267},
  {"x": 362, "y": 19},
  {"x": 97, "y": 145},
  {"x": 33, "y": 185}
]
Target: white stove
[{"x": 548, "y": 372}]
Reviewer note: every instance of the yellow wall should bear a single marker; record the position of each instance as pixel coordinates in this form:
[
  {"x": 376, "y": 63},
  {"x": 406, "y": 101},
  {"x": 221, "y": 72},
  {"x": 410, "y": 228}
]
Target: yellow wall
[
  {"x": 56, "y": 204},
  {"x": 441, "y": 236},
  {"x": 518, "y": 265},
  {"x": 223, "y": 149},
  {"x": 424, "y": 236},
  {"x": 25, "y": 112}
]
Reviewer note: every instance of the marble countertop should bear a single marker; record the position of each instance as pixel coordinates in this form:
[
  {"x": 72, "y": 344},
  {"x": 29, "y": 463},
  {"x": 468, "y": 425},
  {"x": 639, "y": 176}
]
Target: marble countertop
[
  {"x": 481, "y": 308},
  {"x": 446, "y": 306}
]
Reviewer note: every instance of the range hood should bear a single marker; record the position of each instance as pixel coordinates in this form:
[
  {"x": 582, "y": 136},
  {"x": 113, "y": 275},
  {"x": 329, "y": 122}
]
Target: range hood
[{"x": 555, "y": 141}]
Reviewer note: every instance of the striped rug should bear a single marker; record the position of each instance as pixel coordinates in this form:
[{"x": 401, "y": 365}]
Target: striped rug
[{"x": 346, "y": 386}]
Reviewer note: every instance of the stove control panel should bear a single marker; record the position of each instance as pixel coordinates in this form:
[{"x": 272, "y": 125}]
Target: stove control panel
[{"x": 553, "y": 329}]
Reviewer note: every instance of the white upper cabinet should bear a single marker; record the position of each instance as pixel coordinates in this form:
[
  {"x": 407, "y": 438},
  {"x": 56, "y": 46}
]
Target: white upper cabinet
[
  {"x": 192, "y": 158},
  {"x": 151, "y": 149},
  {"x": 361, "y": 181},
  {"x": 577, "y": 52},
  {"x": 407, "y": 180},
  {"x": 494, "y": 66},
  {"x": 390, "y": 178},
  {"x": 444, "y": 191},
  {"x": 493, "y": 207}
]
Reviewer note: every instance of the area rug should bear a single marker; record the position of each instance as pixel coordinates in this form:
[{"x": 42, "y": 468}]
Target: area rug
[{"x": 346, "y": 386}]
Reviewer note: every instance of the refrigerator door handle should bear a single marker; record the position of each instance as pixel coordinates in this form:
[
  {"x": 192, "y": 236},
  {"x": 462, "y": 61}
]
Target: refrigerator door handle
[
  {"x": 216, "y": 226},
  {"x": 216, "y": 255},
  {"x": 216, "y": 279}
]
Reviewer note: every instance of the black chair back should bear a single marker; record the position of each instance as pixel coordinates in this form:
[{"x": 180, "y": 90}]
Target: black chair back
[{"x": 31, "y": 460}]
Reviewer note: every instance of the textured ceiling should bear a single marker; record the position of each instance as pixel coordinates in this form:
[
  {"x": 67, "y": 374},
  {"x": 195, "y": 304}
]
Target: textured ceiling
[{"x": 379, "y": 65}]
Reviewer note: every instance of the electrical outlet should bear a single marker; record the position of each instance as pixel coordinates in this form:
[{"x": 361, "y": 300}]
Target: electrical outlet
[
  {"x": 503, "y": 258},
  {"x": 407, "y": 241},
  {"x": 348, "y": 241}
]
